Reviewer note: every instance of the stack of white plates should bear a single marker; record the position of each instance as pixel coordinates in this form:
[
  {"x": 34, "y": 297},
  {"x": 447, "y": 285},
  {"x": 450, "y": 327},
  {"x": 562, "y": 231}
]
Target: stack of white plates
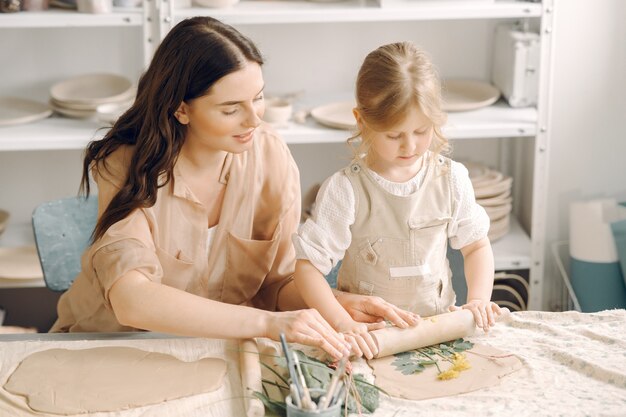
[
  {"x": 493, "y": 193},
  {"x": 81, "y": 97}
]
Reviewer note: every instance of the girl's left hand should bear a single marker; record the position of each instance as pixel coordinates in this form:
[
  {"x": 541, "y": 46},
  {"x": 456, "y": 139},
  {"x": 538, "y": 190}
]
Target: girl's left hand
[{"x": 485, "y": 312}]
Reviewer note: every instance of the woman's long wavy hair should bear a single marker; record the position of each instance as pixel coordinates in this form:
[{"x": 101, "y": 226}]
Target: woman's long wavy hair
[
  {"x": 391, "y": 81},
  {"x": 194, "y": 55}
]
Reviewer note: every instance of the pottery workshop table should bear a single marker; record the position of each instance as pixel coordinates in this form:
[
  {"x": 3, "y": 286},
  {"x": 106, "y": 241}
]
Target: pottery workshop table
[{"x": 574, "y": 365}]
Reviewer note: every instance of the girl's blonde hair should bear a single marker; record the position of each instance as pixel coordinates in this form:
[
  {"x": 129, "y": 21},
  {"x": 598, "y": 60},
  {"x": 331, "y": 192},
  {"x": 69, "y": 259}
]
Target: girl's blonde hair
[{"x": 392, "y": 79}]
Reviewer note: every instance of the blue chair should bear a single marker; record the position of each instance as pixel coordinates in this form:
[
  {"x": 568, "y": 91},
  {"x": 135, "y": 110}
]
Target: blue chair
[{"x": 62, "y": 233}]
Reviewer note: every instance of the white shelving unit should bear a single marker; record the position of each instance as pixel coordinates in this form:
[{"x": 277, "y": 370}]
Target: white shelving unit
[
  {"x": 63, "y": 133},
  {"x": 57, "y": 18},
  {"x": 272, "y": 12},
  {"x": 270, "y": 21}
]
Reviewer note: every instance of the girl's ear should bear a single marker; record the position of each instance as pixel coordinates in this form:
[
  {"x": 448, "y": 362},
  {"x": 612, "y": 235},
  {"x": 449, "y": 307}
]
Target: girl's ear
[
  {"x": 181, "y": 114},
  {"x": 358, "y": 118}
]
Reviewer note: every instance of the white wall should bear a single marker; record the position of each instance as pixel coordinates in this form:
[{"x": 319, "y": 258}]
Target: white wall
[{"x": 588, "y": 140}]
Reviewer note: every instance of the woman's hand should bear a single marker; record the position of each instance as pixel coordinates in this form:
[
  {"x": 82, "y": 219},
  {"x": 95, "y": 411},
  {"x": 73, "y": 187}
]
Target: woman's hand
[
  {"x": 307, "y": 327},
  {"x": 485, "y": 312},
  {"x": 370, "y": 309},
  {"x": 361, "y": 341}
]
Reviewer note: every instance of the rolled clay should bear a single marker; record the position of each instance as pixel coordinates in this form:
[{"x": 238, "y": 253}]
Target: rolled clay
[
  {"x": 109, "y": 379},
  {"x": 429, "y": 331},
  {"x": 250, "y": 369}
]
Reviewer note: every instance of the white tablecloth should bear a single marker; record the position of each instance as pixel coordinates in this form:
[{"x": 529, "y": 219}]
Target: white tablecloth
[{"x": 574, "y": 365}]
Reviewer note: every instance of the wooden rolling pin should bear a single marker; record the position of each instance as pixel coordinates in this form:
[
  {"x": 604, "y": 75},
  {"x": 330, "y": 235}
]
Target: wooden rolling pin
[
  {"x": 430, "y": 331},
  {"x": 250, "y": 369}
]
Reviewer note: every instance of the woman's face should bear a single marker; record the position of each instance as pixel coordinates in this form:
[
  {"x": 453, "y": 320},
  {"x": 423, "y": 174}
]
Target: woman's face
[{"x": 226, "y": 118}]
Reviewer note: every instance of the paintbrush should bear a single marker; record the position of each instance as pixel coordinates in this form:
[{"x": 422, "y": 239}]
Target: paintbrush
[
  {"x": 307, "y": 402},
  {"x": 292, "y": 371}
]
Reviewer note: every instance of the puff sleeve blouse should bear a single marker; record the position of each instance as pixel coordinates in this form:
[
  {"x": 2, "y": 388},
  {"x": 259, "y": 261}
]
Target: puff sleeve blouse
[{"x": 251, "y": 256}]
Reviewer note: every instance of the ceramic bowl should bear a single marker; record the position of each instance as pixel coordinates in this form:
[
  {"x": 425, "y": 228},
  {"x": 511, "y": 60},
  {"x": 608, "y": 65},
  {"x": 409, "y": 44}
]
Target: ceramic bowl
[{"x": 277, "y": 110}]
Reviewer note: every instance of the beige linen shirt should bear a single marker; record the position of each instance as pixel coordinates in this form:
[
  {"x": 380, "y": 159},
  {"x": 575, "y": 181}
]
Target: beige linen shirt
[{"x": 251, "y": 257}]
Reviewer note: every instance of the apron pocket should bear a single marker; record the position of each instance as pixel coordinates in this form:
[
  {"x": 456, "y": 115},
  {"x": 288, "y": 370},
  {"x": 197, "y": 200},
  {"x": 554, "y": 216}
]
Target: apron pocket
[{"x": 247, "y": 264}]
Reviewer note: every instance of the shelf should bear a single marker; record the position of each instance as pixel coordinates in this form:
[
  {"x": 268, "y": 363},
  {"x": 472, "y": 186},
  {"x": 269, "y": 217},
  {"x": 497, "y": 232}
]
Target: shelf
[
  {"x": 64, "y": 133},
  {"x": 512, "y": 251},
  {"x": 56, "y": 18},
  {"x": 299, "y": 11},
  {"x": 49, "y": 134}
]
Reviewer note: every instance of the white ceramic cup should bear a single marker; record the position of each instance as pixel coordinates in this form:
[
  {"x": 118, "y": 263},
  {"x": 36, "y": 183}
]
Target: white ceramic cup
[{"x": 277, "y": 110}]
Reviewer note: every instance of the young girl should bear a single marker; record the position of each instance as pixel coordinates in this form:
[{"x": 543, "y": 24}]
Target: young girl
[
  {"x": 390, "y": 213},
  {"x": 198, "y": 200}
]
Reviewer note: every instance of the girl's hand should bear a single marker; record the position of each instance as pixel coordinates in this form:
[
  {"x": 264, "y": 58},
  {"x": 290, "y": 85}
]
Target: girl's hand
[
  {"x": 370, "y": 309},
  {"x": 361, "y": 341},
  {"x": 485, "y": 312},
  {"x": 307, "y": 327}
]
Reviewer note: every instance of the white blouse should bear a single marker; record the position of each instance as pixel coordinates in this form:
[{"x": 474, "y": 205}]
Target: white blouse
[{"x": 324, "y": 238}]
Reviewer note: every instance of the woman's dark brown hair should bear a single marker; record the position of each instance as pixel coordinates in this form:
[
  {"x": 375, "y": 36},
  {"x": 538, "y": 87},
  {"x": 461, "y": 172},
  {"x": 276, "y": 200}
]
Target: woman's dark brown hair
[{"x": 195, "y": 54}]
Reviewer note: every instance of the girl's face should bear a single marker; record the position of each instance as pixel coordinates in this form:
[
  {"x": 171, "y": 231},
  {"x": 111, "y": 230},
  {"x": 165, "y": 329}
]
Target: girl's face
[
  {"x": 397, "y": 152},
  {"x": 226, "y": 118}
]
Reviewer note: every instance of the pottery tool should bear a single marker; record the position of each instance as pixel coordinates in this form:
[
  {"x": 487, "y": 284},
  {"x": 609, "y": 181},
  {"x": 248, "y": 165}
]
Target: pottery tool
[
  {"x": 250, "y": 370},
  {"x": 292, "y": 370},
  {"x": 334, "y": 380},
  {"x": 429, "y": 331},
  {"x": 294, "y": 396},
  {"x": 307, "y": 402},
  {"x": 341, "y": 392}
]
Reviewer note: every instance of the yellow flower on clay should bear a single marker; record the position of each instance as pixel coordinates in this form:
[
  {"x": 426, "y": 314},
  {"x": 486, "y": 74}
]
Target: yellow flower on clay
[
  {"x": 460, "y": 362},
  {"x": 449, "y": 374}
]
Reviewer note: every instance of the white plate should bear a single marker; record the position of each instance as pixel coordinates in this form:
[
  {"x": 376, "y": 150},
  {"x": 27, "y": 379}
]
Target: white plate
[
  {"x": 338, "y": 115},
  {"x": 15, "y": 111},
  {"x": 494, "y": 189},
  {"x": 487, "y": 179},
  {"x": 92, "y": 89},
  {"x": 498, "y": 212},
  {"x": 20, "y": 263},
  {"x": 463, "y": 95},
  {"x": 73, "y": 113},
  {"x": 498, "y": 200},
  {"x": 499, "y": 228}
]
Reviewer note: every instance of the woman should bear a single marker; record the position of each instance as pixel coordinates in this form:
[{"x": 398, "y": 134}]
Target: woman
[{"x": 197, "y": 203}]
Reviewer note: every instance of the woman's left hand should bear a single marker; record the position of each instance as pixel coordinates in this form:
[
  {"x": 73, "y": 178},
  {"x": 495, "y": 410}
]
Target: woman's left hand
[
  {"x": 485, "y": 312},
  {"x": 371, "y": 309}
]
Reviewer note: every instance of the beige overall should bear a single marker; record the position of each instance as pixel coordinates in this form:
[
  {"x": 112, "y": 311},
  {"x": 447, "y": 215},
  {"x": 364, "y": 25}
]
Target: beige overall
[{"x": 398, "y": 249}]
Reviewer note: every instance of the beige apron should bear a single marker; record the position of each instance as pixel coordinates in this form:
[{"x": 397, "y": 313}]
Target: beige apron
[{"x": 398, "y": 248}]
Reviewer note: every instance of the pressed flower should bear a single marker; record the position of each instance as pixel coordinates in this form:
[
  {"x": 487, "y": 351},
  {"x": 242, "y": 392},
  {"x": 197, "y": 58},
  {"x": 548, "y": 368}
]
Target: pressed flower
[
  {"x": 460, "y": 362},
  {"x": 415, "y": 361},
  {"x": 449, "y": 374}
]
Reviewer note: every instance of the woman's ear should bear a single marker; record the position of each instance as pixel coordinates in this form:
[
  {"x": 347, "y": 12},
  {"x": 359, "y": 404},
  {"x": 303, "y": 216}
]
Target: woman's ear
[
  {"x": 181, "y": 114},
  {"x": 358, "y": 118}
]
